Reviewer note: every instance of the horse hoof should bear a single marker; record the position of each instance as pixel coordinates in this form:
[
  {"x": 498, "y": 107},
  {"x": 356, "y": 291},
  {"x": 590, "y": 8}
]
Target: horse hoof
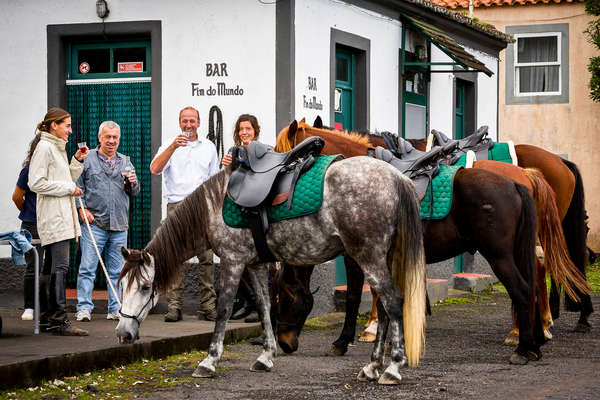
[
  {"x": 511, "y": 340},
  {"x": 336, "y": 351},
  {"x": 366, "y": 337},
  {"x": 367, "y": 374},
  {"x": 534, "y": 356},
  {"x": 260, "y": 367},
  {"x": 517, "y": 359},
  {"x": 583, "y": 327},
  {"x": 547, "y": 334},
  {"x": 203, "y": 372},
  {"x": 389, "y": 379}
]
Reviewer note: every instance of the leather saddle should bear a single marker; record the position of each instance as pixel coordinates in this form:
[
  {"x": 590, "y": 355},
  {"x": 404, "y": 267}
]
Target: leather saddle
[
  {"x": 421, "y": 167},
  {"x": 477, "y": 142},
  {"x": 263, "y": 177}
]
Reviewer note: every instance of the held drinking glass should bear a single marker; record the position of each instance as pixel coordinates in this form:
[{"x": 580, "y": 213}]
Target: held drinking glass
[
  {"x": 127, "y": 169},
  {"x": 83, "y": 147}
]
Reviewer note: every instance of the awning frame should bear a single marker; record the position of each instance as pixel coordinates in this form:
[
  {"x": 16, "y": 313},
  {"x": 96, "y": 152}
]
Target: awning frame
[{"x": 468, "y": 61}]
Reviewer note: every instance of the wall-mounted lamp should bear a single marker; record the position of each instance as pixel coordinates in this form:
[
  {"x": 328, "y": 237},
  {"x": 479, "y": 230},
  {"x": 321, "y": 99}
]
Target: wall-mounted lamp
[{"x": 102, "y": 9}]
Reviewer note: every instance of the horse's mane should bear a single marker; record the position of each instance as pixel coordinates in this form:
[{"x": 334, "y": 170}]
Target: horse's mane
[
  {"x": 354, "y": 136},
  {"x": 184, "y": 230},
  {"x": 283, "y": 143}
]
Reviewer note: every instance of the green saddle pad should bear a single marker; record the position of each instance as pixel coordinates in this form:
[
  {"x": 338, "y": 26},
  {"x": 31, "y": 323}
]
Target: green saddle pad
[
  {"x": 497, "y": 153},
  {"x": 442, "y": 186},
  {"x": 308, "y": 197},
  {"x": 442, "y": 183}
]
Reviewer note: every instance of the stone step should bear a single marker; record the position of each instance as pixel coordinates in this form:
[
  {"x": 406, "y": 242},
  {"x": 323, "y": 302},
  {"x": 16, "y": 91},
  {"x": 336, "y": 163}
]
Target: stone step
[{"x": 473, "y": 282}]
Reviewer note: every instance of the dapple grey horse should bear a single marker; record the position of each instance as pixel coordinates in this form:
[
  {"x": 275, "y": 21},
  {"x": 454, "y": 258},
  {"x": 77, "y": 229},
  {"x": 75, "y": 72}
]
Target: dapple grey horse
[{"x": 369, "y": 211}]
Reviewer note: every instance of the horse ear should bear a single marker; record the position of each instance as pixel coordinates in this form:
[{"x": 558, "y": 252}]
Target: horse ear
[
  {"x": 146, "y": 257},
  {"x": 125, "y": 252},
  {"x": 318, "y": 122},
  {"x": 292, "y": 130},
  {"x": 302, "y": 121}
]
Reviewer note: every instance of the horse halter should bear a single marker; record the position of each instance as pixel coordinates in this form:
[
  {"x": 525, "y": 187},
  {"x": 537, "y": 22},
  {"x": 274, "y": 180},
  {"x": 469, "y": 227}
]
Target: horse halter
[{"x": 137, "y": 317}]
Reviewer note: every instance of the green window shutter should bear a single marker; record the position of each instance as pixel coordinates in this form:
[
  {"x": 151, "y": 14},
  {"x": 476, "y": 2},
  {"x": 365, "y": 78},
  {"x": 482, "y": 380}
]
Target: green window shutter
[{"x": 128, "y": 104}]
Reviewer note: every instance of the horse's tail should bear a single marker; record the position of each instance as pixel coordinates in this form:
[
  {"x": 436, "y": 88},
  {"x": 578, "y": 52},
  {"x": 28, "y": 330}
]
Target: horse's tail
[
  {"x": 556, "y": 257},
  {"x": 524, "y": 243},
  {"x": 575, "y": 228},
  {"x": 408, "y": 271}
]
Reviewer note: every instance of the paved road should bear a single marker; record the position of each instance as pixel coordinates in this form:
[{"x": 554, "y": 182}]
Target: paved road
[{"x": 464, "y": 359}]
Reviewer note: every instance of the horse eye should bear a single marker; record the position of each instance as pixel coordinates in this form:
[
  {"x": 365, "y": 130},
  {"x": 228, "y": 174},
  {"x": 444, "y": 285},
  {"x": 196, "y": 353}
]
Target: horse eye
[{"x": 145, "y": 288}]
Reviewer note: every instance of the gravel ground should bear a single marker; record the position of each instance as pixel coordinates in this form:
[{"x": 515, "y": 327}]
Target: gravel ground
[{"x": 464, "y": 359}]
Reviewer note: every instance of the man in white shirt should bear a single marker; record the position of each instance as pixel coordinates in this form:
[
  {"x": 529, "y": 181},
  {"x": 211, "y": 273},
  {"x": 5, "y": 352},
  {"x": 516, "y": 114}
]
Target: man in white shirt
[{"x": 186, "y": 163}]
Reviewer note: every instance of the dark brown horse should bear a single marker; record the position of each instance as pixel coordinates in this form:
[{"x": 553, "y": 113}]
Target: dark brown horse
[
  {"x": 565, "y": 180},
  {"x": 491, "y": 214},
  {"x": 439, "y": 241}
]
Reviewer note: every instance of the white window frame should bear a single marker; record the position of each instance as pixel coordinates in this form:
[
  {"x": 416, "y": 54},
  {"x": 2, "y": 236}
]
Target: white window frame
[{"x": 517, "y": 65}]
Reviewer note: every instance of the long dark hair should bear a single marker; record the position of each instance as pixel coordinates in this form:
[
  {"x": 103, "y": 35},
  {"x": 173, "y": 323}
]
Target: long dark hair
[
  {"x": 236, "y": 131},
  {"x": 55, "y": 114}
]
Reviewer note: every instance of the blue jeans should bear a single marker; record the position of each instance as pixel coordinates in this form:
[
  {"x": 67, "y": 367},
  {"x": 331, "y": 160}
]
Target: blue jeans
[{"x": 112, "y": 241}]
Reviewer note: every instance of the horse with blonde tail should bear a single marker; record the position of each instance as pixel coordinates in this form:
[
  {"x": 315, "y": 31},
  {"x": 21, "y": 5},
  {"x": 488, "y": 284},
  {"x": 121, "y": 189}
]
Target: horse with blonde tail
[{"x": 359, "y": 194}]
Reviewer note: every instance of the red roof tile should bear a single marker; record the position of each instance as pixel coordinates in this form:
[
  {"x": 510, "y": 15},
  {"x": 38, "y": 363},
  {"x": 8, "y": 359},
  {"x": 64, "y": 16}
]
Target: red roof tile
[{"x": 490, "y": 3}]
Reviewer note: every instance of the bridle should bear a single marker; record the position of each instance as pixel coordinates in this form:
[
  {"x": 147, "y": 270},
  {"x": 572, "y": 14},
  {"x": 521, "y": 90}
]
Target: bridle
[{"x": 136, "y": 318}]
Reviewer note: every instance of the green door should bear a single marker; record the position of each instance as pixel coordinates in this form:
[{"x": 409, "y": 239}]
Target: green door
[
  {"x": 344, "y": 89},
  {"x": 112, "y": 96},
  {"x": 459, "y": 261},
  {"x": 344, "y": 117}
]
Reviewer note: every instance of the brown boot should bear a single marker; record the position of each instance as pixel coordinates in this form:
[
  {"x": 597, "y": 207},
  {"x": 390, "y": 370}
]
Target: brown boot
[
  {"x": 208, "y": 315},
  {"x": 66, "y": 329},
  {"x": 173, "y": 315}
]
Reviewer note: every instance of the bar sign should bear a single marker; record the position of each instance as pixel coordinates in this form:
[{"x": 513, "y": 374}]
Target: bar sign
[{"x": 137, "y": 66}]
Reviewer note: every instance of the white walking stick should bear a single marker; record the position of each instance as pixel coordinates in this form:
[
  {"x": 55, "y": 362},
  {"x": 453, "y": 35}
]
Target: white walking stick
[{"x": 98, "y": 253}]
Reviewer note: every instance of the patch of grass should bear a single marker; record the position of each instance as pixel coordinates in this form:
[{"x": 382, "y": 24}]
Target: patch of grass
[
  {"x": 593, "y": 275},
  {"x": 122, "y": 382}
]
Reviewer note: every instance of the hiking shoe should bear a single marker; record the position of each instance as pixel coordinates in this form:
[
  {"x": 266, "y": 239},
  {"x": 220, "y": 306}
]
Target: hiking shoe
[
  {"x": 27, "y": 314},
  {"x": 208, "y": 315},
  {"x": 173, "y": 315},
  {"x": 113, "y": 315},
  {"x": 66, "y": 329},
  {"x": 83, "y": 316}
]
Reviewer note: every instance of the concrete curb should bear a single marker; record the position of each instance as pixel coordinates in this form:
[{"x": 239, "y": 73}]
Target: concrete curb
[{"x": 30, "y": 373}]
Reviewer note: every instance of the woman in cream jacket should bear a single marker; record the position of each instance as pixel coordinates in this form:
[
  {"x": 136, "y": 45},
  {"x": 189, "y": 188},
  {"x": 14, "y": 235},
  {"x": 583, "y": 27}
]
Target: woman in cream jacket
[{"x": 53, "y": 179}]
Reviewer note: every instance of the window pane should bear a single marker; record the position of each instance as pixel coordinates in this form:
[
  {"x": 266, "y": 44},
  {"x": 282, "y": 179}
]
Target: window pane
[
  {"x": 414, "y": 82},
  {"x": 537, "y": 49},
  {"x": 97, "y": 59},
  {"x": 129, "y": 55},
  {"x": 341, "y": 69},
  {"x": 415, "y": 121},
  {"x": 538, "y": 79}
]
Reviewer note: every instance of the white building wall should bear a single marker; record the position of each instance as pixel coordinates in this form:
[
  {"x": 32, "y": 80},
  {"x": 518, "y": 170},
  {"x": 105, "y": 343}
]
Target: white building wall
[
  {"x": 237, "y": 32},
  {"x": 441, "y": 113},
  {"x": 313, "y": 21}
]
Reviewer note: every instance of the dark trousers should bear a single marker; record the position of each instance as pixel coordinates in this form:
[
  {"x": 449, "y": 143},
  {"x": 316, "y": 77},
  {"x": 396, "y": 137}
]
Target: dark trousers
[
  {"x": 29, "y": 277},
  {"x": 59, "y": 252}
]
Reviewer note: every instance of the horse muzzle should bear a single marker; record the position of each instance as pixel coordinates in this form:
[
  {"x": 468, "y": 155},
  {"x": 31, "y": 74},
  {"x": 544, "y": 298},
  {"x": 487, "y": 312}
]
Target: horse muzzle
[
  {"x": 288, "y": 341},
  {"x": 126, "y": 336}
]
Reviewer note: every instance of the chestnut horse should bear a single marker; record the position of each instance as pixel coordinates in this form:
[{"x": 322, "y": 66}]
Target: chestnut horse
[{"x": 357, "y": 144}]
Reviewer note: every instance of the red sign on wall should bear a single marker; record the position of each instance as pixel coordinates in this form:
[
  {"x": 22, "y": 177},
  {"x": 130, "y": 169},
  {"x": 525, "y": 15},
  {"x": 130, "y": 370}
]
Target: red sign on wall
[{"x": 131, "y": 67}]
